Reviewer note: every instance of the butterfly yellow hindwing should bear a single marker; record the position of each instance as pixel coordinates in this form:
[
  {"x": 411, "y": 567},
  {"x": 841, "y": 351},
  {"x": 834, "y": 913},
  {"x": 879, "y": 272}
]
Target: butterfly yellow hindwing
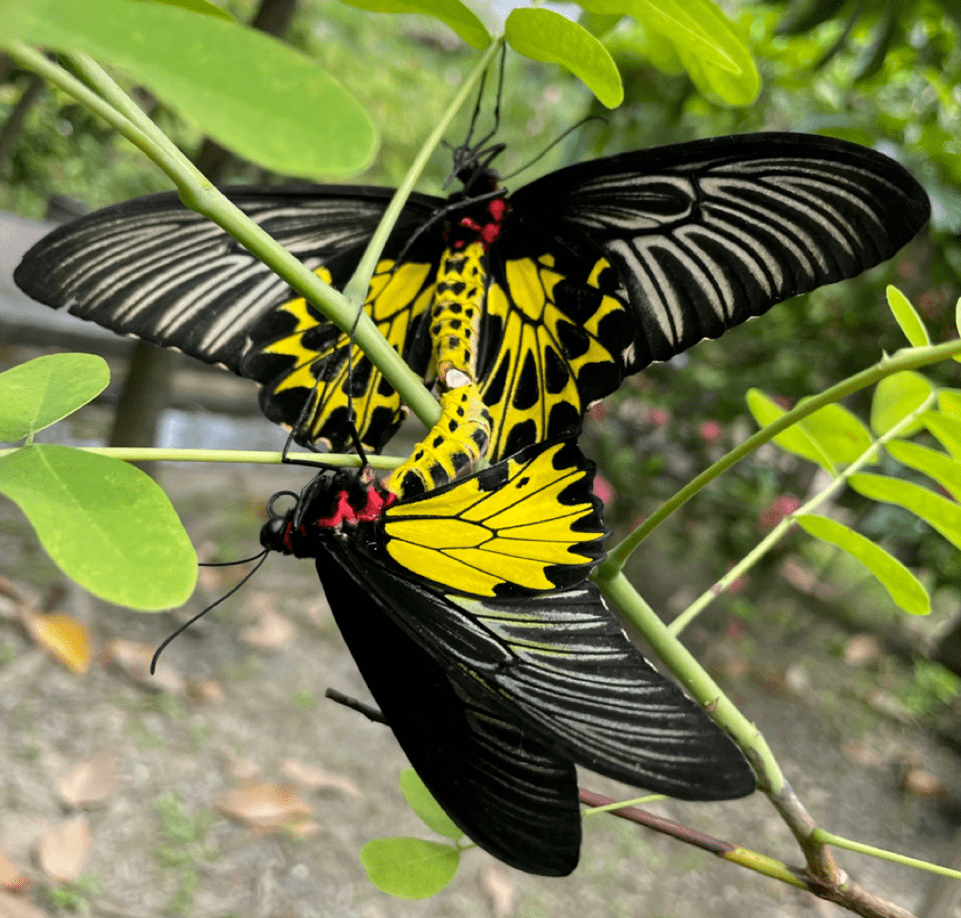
[{"x": 530, "y": 524}]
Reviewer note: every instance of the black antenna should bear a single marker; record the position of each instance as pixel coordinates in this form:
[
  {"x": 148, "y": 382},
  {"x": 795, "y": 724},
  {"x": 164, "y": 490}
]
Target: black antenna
[
  {"x": 262, "y": 556},
  {"x": 554, "y": 143}
]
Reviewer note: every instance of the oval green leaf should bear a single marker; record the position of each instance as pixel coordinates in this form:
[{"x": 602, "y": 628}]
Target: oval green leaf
[
  {"x": 940, "y": 513},
  {"x": 905, "y": 589},
  {"x": 839, "y": 433},
  {"x": 907, "y": 318},
  {"x": 740, "y": 87},
  {"x": 105, "y": 523},
  {"x": 680, "y": 22},
  {"x": 946, "y": 428},
  {"x": 45, "y": 390},
  {"x": 932, "y": 462},
  {"x": 250, "y": 92},
  {"x": 409, "y": 868},
  {"x": 895, "y": 397},
  {"x": 543, "y": 35},
  {"x": 795, "y": 439},
  {"x": 422, "y": 802},
  {"x": 452, "y": 13}
]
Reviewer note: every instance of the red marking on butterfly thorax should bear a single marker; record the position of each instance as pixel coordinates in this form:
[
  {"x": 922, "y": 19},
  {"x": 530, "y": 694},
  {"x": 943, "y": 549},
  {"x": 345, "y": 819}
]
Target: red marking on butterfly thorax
[
  {"x": 365, "y": 506},
  {"x": 484, "y": 228}
]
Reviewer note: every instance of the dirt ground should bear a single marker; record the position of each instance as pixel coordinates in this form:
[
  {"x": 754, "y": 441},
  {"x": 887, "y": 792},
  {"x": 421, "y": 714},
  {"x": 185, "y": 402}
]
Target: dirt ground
[{"x": 242, "y": 710}]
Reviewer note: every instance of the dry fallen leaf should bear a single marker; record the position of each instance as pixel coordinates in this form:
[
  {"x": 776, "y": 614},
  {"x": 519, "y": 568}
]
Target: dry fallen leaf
[
  {"x": 134, "y": 659},
  {"x": 315, "y": 779},
  {"x": 271, "y": 632},
  {"x": 862, "y": 650},
  {"x": 11, "y": 878},
  {"x": 922, "y": 783},
  {"x": 206, "y": 691},
  {"x": 267, "y": 807},
  {"x": 62, "y": 850},
  {"x": 500, "y": 885},
  {"x": 15, "y": 907},
  {"x": 88, "y": 783},
  {"x": 63, "y": 637}
]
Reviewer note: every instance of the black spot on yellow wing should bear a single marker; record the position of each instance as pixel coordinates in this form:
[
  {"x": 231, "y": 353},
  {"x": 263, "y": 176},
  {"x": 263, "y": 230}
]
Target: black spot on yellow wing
[
  {"x": 559, "y": 332},
  {"x": 303, "y": 360},
  {"x": 525, "y": 525}
]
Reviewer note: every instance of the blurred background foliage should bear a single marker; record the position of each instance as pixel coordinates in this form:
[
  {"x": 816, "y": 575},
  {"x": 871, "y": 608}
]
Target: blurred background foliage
[{"x": 885, "y": 73}]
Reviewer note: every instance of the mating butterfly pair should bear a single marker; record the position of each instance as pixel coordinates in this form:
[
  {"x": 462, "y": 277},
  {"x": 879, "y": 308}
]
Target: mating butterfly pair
[{"x": 496, "y": 663}]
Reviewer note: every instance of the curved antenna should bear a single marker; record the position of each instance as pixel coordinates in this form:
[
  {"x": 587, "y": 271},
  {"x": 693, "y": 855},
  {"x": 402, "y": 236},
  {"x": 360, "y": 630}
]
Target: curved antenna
[
  {"x": 554, "y": 143},
  {"x": 262, "y": 556}
]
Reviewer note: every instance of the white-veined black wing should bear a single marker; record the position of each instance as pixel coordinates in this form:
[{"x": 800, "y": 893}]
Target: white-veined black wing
[
  {"x": 561, "y": 666},
  {"x": 505, "y": 788},
  {"x": 152, "y": 268},
  {"x": 704, "y": 235}
]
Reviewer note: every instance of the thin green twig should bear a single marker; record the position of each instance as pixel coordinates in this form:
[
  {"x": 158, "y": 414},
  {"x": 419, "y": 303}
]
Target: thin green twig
[
  {"x": 252, "y": 457},
  {"x": 908, "y": 359},
  {"x": 788, "y": 522},
  {"x": 838, "y": 841}
]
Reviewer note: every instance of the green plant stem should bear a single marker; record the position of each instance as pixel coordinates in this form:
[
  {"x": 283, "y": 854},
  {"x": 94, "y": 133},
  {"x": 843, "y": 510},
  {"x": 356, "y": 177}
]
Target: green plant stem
[
  {"x": 829, "y": 838},
  {"x": 357, "y": 286},
  {"x": 753, "y": 860},
  {"x": 693, "y": 677},
  {"x": 788, "y": 522},
  {"x": 771, "y": 781},
  {"x": 253, "y": 457},
  {"x": 908, "y": 359}
]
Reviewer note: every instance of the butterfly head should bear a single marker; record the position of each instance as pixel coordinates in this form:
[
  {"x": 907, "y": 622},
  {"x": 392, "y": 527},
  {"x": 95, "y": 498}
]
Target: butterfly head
[{"x": 334, "y": 504}]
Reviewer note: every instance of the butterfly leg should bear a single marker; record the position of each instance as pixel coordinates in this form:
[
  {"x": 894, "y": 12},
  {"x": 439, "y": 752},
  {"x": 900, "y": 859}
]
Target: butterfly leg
[{"x": 460, "y": 438}]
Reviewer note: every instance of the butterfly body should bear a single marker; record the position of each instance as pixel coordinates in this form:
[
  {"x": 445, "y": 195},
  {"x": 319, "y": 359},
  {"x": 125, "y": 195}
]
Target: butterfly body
[{"x": 494, "y": 660}]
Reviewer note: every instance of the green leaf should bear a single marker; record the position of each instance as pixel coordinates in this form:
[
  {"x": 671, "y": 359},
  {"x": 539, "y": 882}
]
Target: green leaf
[
  {"x": 932, "y": 462},
  {"x": 543, "y": 35},
  {"x": 409, "y": 868},
  {"x": 105, "y": 523},
  {"x": 42, "y": 391},
  {"x": 422, "y": 802},
  {"x": 838, "y": 432},
  {"x": 947, "y": 429},
  {"x": 939, "y": 512},
  {"x": 680, "y": 22},
  {"x": 895, "y": 397},
  {"x": 199, "y": 6},
  {"x": 250, "y": 92},
  {"x": 452, "y": 13},
  {"x": 739, "y": 88},
  {"x": 957, "y": 320},
  {"x": 907, "y": 318},
  {"x": 905, "y": 589},
  {"x": 949, "y": 401},
  {"x": 795, "y": 439}
]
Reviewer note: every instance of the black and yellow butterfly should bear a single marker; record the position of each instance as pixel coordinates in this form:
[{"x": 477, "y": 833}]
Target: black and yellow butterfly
[
  {"x": 580, "y": 277},
  {"x": 494, "y": 660}
]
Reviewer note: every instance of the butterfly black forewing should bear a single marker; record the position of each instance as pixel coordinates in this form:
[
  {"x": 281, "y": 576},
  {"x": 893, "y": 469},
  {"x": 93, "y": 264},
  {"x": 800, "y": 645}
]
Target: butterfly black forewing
[
  {"x": 705, "y": 234},
  {"x": 504, "y": 788}
]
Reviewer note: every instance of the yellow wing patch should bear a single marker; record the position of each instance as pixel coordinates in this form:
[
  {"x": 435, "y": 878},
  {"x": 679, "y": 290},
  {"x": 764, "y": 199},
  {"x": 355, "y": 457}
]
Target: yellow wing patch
[
  {"x": 549, "y": 337},
  {"x": 496, "y": 534},
  {"x": 317, "y": 362}
]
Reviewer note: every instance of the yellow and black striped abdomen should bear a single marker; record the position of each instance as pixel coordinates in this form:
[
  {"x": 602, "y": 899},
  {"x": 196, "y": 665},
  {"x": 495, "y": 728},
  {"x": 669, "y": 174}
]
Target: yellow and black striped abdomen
[{"x": 455, "y": 444}]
